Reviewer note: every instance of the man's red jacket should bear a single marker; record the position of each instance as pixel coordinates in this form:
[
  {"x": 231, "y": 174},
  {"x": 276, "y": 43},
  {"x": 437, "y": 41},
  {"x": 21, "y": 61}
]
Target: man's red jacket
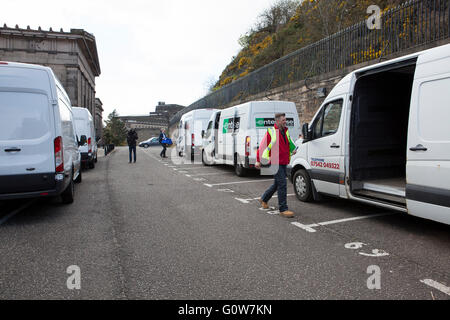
[{"x": 281, "y": 152}]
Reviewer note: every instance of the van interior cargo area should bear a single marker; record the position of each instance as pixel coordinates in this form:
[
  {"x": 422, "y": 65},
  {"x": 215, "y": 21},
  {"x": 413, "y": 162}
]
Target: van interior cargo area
[{"x": 379, "y": 132}]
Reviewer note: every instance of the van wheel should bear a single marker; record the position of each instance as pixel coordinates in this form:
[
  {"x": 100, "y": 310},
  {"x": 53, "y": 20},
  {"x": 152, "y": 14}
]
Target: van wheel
[
  {"x": 92, "y": 164},
  {"x": 239, "y": 168},
  {"x": 302, "y": 186},
  {"x": 79, "y": 178},
  {"x": 68, "y": 195},
  {"x": 180, "y": 154},
  {"x": 96, "y": 159}
]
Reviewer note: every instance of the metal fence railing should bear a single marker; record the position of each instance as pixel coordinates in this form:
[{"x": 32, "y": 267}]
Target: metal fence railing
[{"x": 414, "y": 23}]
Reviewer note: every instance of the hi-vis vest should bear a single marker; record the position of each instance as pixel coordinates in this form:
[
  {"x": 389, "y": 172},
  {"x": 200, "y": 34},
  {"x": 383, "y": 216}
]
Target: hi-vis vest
[{"x": 273, "y": 139}]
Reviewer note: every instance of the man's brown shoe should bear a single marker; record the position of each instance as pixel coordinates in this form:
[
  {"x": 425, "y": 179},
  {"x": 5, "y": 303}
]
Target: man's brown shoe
[
  {"x": 287, "y": 214},
  {"x": 264, "y": 205}
]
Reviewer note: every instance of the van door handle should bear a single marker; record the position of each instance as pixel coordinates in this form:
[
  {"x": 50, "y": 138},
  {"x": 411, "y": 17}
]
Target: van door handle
[
  {"x": 335, "y": 146},
  {"x": 419, "y": 148},
  {"x": 13, "y": 150}
]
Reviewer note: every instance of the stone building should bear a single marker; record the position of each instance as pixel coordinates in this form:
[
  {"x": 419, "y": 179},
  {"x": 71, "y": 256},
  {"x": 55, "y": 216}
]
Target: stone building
[
  {"x": 98, "y": 118},
  {"x": 72, "y": 56}
]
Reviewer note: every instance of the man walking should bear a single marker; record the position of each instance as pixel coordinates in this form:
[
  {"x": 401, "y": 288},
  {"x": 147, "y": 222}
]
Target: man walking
[
  {"x": 277, "y": 148},
  {"x": 131, "y": 140},
  {"x": 162, "y": 136}
]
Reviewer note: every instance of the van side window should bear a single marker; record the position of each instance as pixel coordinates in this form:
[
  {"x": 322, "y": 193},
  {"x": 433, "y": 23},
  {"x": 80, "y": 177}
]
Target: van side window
[
  {"x": 209, "y": 130},
  {"x": 327, "y": 122},
  {"x": 317, "y": 126},
  {"x": 332, "y": 118}
]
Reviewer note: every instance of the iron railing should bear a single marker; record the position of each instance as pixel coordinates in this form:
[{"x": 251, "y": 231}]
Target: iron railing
[{"x": 413, "y": 24}]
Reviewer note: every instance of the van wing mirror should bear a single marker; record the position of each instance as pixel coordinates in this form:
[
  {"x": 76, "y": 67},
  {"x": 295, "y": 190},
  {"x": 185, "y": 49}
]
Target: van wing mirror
[
  {"x": 203, "y": 133},
  {"x": 83, "y": 140},
  {"x": 307, "y": 135}
]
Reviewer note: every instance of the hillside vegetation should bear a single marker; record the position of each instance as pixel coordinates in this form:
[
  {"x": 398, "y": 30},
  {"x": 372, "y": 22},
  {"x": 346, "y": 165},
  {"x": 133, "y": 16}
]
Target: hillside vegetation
[{"x": 289, "y": 25}]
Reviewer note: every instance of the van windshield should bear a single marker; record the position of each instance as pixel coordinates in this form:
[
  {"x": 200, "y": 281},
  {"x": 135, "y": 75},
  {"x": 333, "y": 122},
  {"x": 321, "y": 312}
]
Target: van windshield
[{"x": 23, "y": 116}]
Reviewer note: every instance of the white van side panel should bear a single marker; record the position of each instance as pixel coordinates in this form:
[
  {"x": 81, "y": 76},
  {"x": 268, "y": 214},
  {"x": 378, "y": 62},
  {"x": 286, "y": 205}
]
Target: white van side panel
[{"x": 428, "y": 170}]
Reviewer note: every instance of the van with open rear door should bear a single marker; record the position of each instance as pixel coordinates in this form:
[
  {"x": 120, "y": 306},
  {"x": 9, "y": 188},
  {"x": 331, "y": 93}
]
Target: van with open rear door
[{"x": 382, "y": 137}]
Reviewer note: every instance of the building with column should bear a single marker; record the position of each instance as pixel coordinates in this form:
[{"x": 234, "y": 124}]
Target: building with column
[{"x": 71, "y": 55}]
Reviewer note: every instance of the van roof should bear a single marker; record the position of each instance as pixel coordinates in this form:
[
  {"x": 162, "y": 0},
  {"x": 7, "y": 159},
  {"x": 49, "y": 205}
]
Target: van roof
[
  {"x": 23, "y": 65},
  {"x": 343, "y": 86},
  {"x": 80, "y": 111}
]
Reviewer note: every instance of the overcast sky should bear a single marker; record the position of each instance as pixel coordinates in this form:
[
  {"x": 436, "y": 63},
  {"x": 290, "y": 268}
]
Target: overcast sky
[{"x": 149, "y": 50}]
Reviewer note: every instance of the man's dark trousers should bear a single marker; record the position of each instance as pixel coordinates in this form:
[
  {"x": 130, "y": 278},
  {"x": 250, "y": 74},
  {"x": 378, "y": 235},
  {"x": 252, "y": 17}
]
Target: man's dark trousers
[
  {"x": 279, "y": 185},
  {"x": 132, "y": 150}
]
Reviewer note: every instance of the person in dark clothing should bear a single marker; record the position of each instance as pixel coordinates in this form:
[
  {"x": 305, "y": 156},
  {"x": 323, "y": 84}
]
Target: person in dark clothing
[
  {"x": 131, "y": 140},
  {"x": 162, "y": 136}
]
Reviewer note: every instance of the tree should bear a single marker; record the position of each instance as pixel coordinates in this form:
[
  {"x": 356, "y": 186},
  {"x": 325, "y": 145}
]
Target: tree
[
  {"x": 277, "y": 16},
  {"x": 115, "y": 131}
]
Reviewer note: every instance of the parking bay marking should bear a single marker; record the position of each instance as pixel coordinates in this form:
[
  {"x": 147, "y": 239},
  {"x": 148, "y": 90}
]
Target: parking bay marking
[
  {"x": 437, "y": 285},
  {"x": 310, "y": 227},
  {"x": 203, "y": 174},
  {"x": 247, "y": 201},
  {"x": 239, "y": 182}
]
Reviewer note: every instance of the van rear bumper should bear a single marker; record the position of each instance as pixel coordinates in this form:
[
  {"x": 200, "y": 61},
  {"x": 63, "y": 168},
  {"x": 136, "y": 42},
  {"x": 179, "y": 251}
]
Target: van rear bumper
[
  {"x": 87, "y": 157},
  {"x": 31, "y": 186}
]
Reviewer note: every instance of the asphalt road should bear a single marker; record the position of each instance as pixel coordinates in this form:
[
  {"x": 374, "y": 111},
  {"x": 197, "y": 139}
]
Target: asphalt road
[{"x": 159, "y": 229}]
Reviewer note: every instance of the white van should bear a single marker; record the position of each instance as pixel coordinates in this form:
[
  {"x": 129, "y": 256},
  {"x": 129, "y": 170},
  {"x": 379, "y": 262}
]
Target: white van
[
  {"x": 233, "y": 135},
  {"x": 39, "y": 154},
  {"x": 189, "y": 140},
  {"x": 382, "y": 137},
  {"x": 85, "y": 131}
]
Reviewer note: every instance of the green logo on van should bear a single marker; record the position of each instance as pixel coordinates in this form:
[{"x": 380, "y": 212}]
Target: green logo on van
[
  {"x": 225, "y": 125},
  {"x": 260, "y": 122}
]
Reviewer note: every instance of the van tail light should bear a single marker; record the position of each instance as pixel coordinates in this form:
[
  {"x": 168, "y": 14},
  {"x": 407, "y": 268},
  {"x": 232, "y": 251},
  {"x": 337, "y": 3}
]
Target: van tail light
[
  {"x": 193, "y": 140},
  {"x": 4, "y": 63},
  {"x": 90, "y": 145},
  {"x": 247, "y": 146},
  {"x": 59, "y": 155}
]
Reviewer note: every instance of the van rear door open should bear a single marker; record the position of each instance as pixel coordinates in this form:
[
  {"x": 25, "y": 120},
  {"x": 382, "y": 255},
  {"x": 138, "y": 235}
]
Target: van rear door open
[{"x": 428, "y": 164}]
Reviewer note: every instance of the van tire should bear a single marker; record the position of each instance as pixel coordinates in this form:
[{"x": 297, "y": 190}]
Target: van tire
[
  {"x": 180, "y": 154},
  {"x": 96, "y": 158},
  {"x": 302, "y": 186},
  {"x": 67, "y": 196},
  {"x": 239, "y": 168},
  {"x": 92, "y": 164},
  {"x": 79, "y": 178}
]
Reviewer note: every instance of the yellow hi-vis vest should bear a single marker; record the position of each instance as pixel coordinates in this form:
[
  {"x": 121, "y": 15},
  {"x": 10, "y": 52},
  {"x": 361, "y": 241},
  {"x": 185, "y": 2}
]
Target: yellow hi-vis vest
[{"x": 273, "y": 139}]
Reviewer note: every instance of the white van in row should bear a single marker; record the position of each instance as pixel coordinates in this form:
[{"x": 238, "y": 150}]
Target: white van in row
[
  {"x": 39, "y": 154},
  {"x": 382, "y": 137},
  {"x": 233, "y": 135},
  {"x": 189, "y": 140},
  {"x": 85, "y": 131}
]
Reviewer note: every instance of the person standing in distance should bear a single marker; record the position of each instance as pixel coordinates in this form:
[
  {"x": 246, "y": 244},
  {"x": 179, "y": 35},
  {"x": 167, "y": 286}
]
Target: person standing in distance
[
  {"x": 131, "y": 140},
  {"x": 277, "y": 148},
  {"x": 162, "y": 136}
]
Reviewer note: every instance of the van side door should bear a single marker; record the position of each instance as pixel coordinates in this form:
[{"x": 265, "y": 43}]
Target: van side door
[
  {"x": 428, "y": 161},
  {"x": 325, "y": 150}
]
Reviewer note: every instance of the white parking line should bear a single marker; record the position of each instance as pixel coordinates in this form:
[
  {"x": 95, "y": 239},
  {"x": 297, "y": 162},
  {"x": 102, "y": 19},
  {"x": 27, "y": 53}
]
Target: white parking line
[
  {"x": 310, "y": 227},
  {"x": 436, "y": 285},
  {"x": 203, "y": 174},
  {"x": 247, "y": 201},
  {"x": 239, "y": 182}
]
